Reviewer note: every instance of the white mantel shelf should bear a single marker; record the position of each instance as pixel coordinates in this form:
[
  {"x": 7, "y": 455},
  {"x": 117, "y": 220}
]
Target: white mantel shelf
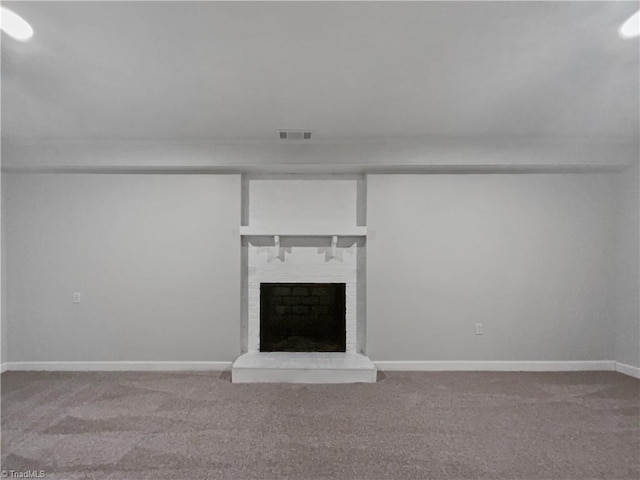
[{"x": 303, "y": 232}]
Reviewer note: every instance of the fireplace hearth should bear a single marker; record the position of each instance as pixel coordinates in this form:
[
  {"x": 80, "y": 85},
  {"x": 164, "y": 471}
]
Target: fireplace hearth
[{"x": 302, "y": 317}]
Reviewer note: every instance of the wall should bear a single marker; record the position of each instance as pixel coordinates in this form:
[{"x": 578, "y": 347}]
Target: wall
[
  {"x": 155, "y": 257},
  {"x": 299, "y": 201},
  {"x": 627, "y": 284},
  {"x": 3, "y": 315},
  {"x": 529, "y": 256}
]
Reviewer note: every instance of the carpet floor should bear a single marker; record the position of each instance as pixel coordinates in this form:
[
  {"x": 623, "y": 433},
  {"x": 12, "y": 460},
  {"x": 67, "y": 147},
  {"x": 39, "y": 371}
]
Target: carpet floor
[{"x": 436, "y": 425}]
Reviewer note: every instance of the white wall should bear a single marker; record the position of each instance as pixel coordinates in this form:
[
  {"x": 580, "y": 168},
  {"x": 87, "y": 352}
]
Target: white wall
[
  {"x": 529, "y": 256},
  {"x": 627, "y": 284},
  {"x": 303, "y": 202},
  {"x": 3, "y": 283},
  {"x": 156, "y": 258}
]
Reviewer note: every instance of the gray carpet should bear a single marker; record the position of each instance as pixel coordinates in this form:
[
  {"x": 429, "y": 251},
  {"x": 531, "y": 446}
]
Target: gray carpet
[{"x": 407, "y": 426}]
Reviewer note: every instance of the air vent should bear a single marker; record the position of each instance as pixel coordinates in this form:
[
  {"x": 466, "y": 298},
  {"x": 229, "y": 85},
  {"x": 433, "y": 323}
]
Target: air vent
[{"x": 295, "y": 134}]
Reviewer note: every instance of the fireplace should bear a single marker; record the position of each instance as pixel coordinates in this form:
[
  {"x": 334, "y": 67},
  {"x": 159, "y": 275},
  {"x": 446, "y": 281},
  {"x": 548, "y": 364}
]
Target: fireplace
[
  {"x": 302, "y": 317},
  {"x": 304, "y": 311},
  {"x": 304, "y": 263}
]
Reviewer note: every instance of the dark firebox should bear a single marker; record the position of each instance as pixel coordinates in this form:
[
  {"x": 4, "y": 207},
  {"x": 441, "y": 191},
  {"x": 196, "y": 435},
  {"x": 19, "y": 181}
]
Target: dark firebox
[{"x": 302, "y": 317}]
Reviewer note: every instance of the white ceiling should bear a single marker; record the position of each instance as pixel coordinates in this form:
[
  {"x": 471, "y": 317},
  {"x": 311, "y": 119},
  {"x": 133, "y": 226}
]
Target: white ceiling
[{"x": 240, "y": 70}]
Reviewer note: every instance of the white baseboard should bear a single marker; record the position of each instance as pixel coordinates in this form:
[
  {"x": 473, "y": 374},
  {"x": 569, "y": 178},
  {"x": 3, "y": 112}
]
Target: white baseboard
[
  {"x": 116, "y": 366},
  {"x": 423, "y": 366},
  {"x": 496, "y": 366},
  {"x": 628, "y": 369}
]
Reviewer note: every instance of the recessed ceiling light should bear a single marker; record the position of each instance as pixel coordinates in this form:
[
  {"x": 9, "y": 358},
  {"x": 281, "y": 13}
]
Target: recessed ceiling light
[
  {"x": 14, "y": 25},
  {"x": 631, "y": 28}
]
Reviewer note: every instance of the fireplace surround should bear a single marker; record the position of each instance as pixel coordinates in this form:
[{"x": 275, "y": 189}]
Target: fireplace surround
[{"x": 304, "y": 260}]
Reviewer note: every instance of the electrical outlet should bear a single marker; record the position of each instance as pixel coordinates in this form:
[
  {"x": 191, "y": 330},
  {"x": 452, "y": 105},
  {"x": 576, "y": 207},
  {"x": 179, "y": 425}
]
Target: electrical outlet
[
  {"x": 478, "y": 329},
  {"x": 76, "y": 297}
]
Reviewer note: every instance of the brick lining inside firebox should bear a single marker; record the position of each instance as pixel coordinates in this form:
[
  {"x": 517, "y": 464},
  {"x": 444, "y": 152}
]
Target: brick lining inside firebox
[{"x": 302, "y": 317}]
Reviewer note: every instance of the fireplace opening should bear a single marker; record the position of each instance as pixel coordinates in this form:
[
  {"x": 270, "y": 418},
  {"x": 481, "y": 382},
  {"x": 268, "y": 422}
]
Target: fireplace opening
[{"x": 302, "y": 317}]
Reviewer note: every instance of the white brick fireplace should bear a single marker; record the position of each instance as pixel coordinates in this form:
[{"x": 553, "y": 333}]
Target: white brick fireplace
[
  {"x": 302, "y": 231},
  {"x": 313, "y": 263}
]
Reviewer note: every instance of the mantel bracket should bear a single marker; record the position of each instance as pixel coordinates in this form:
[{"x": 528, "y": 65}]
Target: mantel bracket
[{"x": 276, "y": 241}]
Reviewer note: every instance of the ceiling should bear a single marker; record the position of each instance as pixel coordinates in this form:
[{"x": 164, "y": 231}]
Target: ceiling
[
  {"x": 349, "y": 71},
  {"x": 345, "y": 70}
]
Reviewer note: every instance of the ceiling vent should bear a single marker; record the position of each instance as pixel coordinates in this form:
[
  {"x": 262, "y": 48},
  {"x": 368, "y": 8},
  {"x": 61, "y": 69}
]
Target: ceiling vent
[{"x": 295, "y": 134}]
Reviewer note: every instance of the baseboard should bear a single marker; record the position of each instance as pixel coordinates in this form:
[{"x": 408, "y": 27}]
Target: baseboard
[
  {"x": 425, "y": 366},
  {"x": 628, "y": 369},
  {"x": 496, "y": 366},
  {"x": 116, "y": 366}
]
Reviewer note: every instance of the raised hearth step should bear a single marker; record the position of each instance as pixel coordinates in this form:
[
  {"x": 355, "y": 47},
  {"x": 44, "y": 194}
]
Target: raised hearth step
[{"x": 303, "y": 367}]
